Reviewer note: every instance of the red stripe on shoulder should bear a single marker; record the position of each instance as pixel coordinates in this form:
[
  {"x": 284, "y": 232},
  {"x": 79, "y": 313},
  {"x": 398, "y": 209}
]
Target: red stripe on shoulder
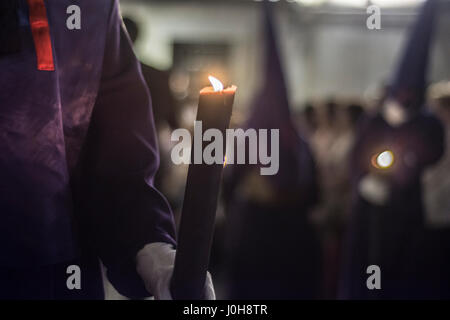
[{"x": 41, "y": 35}]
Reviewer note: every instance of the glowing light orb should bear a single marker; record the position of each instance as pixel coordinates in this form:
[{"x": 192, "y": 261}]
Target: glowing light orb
[{"x": 385, "y": 159}]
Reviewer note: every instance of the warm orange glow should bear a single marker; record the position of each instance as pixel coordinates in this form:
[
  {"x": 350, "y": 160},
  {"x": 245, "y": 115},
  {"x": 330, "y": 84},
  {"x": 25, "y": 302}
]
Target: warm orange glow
[
  {"x": 225, "y": 161},
  {"x": 217, "y": 85},
  {"x": 210, "y": 90}
]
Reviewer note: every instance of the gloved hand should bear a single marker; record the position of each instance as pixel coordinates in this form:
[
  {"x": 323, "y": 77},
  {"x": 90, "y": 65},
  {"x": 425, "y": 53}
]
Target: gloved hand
[
  {"x": 155, "y": 263},
  {"x": 394, "y": 113},
  {"x": 374, "y": 189}
]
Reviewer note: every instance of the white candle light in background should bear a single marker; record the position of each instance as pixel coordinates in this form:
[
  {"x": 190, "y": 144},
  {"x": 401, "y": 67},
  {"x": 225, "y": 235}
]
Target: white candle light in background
[{"x": 385, "y": 159}]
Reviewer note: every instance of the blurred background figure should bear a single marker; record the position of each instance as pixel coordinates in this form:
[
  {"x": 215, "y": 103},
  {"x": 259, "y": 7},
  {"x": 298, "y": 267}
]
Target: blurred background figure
[
  {"x": 437, "y": 199},
  {"x": 392, "y": 151},
  {"x": 274, "y": 251},
  {"x": 437, "y": 179},
  {"x": 332, "y": 145},
  {"x": 326, "y": 131},
  {"x": 306, "y": 120}
]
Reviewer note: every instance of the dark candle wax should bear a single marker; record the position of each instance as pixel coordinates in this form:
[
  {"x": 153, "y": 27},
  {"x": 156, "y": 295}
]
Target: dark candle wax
[{"x": 200, "y": 202}]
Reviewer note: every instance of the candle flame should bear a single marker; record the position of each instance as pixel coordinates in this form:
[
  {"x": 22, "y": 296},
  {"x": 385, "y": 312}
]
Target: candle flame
[
  {"x": 217, "y": 85},
  {"x": 385, "y": 159}
]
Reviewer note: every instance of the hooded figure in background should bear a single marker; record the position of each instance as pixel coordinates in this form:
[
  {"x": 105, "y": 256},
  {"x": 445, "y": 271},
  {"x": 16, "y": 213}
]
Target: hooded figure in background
[
  {"x": 78, "y": 156},
  {"x": 436, "y": 183},
  {"x": 274, "y": 251},
  {"x": 392, "y": 151}
]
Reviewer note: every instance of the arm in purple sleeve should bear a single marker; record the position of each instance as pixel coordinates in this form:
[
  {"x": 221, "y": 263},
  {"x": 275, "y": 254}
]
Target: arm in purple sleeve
[{"x": 122, "y": 159}]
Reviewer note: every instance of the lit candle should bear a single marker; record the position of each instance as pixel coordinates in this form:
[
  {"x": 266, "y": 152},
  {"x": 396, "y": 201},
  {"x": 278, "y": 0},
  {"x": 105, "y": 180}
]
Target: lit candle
[
  {"x": 383, "y": 160},
  {"x": 200, "y": 199}
]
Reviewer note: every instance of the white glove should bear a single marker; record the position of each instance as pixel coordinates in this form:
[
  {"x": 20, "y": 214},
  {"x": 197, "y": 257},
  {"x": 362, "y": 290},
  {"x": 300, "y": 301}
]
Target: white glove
[
  {"x": 155, "y": 263},
  {"x": 374, "y": 189},
  {"x": 394, "y": 113}
]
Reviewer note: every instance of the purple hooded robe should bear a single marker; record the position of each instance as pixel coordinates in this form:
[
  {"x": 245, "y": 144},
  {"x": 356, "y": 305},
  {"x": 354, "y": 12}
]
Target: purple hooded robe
[
  {"x": 78, "y": 150},
  {"x": 274, "y": 250},
  {"x": 393, "y": 236}
]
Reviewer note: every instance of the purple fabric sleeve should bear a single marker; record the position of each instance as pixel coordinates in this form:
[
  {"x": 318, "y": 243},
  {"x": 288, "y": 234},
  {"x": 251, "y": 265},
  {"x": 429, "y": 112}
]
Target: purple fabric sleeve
[{"x": 120, "y": 159}]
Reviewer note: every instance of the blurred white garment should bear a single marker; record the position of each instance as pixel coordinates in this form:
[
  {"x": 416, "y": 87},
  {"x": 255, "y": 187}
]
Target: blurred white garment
[
  {"x": 394, "y": 114},
  {"x": 374, "y": 189}
]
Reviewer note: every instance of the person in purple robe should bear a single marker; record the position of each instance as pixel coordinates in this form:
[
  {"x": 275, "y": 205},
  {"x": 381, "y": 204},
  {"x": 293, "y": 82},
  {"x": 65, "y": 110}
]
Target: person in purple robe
[
  {"x": 78, "y": 156},
  {"x": 392, "y": 151}
]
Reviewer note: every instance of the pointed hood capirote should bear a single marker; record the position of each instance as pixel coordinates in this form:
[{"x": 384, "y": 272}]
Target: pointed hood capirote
[
  {"x": 270, "y": 110},
  {"x": 409, "y": 82},
  {"x": 270, "y": 107}
]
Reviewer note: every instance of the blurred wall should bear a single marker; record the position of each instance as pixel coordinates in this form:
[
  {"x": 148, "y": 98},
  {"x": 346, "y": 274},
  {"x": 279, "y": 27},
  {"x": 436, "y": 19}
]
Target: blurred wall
[{"x": 326, "y": 52}]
